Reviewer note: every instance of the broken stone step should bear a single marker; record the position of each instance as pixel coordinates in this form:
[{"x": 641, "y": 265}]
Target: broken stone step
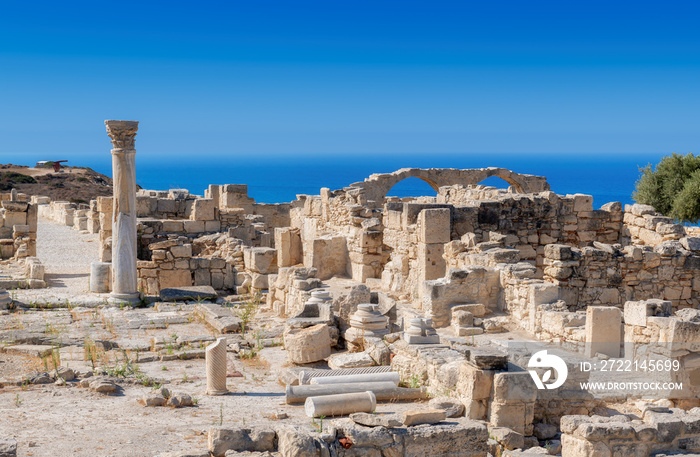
[
  {"x": 488, "y": 358},
  {"x": 194, "y": 293},
  {"x": 469, "y": 331},
  {"x": 33, "y": 350},
  {"x": 218, "y": 317}
]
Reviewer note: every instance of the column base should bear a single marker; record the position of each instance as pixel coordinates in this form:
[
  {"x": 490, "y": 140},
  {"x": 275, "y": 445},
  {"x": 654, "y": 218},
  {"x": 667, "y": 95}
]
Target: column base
[
  {"x": 217, "y": 392},
  {"x": 124, "y": 299}
]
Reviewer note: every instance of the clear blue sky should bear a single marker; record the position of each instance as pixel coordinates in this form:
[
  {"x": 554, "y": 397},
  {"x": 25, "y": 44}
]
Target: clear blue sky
[{"x": 242, "y": 78}]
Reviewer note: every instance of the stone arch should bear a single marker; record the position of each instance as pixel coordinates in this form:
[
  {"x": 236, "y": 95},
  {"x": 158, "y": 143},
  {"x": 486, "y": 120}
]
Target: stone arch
[{"x": 377, "y": 186}]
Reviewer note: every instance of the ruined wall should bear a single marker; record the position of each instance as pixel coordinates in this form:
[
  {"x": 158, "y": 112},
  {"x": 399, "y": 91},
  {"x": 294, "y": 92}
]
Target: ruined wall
[
  {"x": 172, "y": 264},
  {"x": 339, "y": 239},
  {"x": 661, "y": 429},
  {"x": 606, "y": 275},
  {"x": 18, "y": 226},
  {"x": 531, "y": 221},
  {"x": 644, "y": 226}
]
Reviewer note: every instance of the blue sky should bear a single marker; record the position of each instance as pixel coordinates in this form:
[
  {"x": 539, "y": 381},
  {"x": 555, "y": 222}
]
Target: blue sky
[{"x": 258, "y": 78}]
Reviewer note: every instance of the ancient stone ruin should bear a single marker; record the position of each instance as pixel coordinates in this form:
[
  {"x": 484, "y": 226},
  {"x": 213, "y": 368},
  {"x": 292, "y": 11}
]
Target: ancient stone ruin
[{"x": 438, "y": 314}]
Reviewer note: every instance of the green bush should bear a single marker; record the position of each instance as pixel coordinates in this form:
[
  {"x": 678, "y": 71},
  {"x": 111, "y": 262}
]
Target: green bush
[
  {"x": 9, "y": 179},
  {"x": 672, "y": 187}
]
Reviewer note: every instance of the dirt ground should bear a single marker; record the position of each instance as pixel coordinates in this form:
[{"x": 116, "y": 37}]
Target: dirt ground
[{"x": 50, "y": 420}]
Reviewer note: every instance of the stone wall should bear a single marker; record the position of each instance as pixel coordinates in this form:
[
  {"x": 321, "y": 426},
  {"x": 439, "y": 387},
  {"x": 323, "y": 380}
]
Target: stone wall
[
  {"x": 459, "y": 437},
  {"x": 611, "y": 275},
  {"x": 290, "y": 288},
  {"x": 18, "y": 226},
  {"x": 660, "y": 429},
  {"x": 173, "y": 265},
  {"x": 644, "y": 226},
  {"x": 652, "y": 333}
]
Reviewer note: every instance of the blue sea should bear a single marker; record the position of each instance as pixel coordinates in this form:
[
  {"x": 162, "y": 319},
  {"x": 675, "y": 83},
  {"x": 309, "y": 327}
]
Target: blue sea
[{"x": 279, "y": 178}]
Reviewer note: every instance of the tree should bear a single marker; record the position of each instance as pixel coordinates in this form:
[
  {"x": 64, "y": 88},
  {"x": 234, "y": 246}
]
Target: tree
[{"x": 672, "y": 187}]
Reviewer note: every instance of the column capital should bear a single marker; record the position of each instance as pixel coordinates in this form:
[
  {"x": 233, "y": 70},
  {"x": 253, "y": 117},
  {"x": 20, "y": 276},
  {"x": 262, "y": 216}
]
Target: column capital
[{"x": 122, "y": 133}]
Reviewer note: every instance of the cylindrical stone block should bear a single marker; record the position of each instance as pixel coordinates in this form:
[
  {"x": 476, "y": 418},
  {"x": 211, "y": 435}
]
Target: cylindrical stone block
[
  {"x": 341, "y": 404},
  {"x": 384, "y": 391},
  {"x": 392, "y": 376},
  {"x": 306, "y": 376},
  {"x": 100, "y": 277},
  {"x": 215, "y": 356}
]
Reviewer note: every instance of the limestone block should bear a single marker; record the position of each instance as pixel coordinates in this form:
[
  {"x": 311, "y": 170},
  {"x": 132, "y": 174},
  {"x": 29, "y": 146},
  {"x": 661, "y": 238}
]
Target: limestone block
[
  {"x": 202, "y": 277},
  {"x": 217, "y": 280},
  {"x": 476, "y": 309},
  {"x": 212, "y": 226},
  {"x": 515, "y": 416},
  {"x": 434, "y": 226},
  {"x": 558, "y": 252},
  {"x": 193, "y": 226},
  {"x": 361, "y": 272},
  {"x": 288, "y": 245},
  {"x": 636, "y": 313},
  {"x": 583, "y": 202},
  {"x": 328, "y": 254},
  {"x": 182, "y": 251},
  {"x": 36, "y": 271},
  {"x": 376, "y": 420},
  {"x": 166, "y": 205},
  {"x": 474, "y": 383},
  {"x": 13, "y": 218},
  {"x": 507, "y": 438},
  {"x": 307, "y": 345},
  {"x": 603, "y": 331},
  {"x": 510, "y": 387},
  {"x": 203, "y": 209},
  {"x": 543, "y": 293},
  {"x": 467, "y": 439},
  {"x": 691, "y": 243},
  {"x": 462, "y": 318},
  {"x": 422, "y": 416},
  {"x": 350, "y": 360},
  {"x": 32, "y": 217},
  {"x": 431, "y": 262},
  {"x": 105, "y": 204},
  {"x": 260, "y": 260},
  {"x": 145, "y": 206},
  {"x": 172, "y": 226},
  {"x": 255, "y": 440},
  {"x": 451, "y": 406},
  {"x": 468, "y": 331},
  {"x": 259, "y": 281},
  {"x": 174, "y": 279}
]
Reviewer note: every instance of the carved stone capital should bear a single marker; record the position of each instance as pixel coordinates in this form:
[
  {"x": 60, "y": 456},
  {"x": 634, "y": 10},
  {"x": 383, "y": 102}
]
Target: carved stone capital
[{"x": 122, "y": 133}]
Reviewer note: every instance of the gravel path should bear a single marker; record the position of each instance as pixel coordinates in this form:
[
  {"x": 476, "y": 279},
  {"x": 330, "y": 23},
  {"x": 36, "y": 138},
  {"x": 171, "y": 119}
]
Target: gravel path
[{"x": 66, "y": 255}]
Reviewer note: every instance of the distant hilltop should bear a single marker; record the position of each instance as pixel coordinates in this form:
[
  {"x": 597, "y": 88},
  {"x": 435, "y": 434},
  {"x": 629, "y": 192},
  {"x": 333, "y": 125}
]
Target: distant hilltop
[{"x": 74, "y": 184}]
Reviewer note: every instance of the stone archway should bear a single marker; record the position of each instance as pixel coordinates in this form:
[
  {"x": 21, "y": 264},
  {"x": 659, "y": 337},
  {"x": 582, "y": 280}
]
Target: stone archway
[{"x": 377, "y": 186}]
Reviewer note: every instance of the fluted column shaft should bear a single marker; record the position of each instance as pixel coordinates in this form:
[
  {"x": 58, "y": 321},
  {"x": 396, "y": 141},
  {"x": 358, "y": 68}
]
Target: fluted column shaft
[{"x": 124, "y": 273}]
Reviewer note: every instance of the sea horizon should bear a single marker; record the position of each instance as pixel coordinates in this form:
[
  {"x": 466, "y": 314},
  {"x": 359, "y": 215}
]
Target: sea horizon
[{"x": 279, "y": 178}]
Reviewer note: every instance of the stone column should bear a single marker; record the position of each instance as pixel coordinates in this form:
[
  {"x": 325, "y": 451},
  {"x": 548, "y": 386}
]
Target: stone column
[
  {"x": 340, "y": 404},
  {"x": 124, "y": 282},
  {"x": 215, "y": 357}
]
